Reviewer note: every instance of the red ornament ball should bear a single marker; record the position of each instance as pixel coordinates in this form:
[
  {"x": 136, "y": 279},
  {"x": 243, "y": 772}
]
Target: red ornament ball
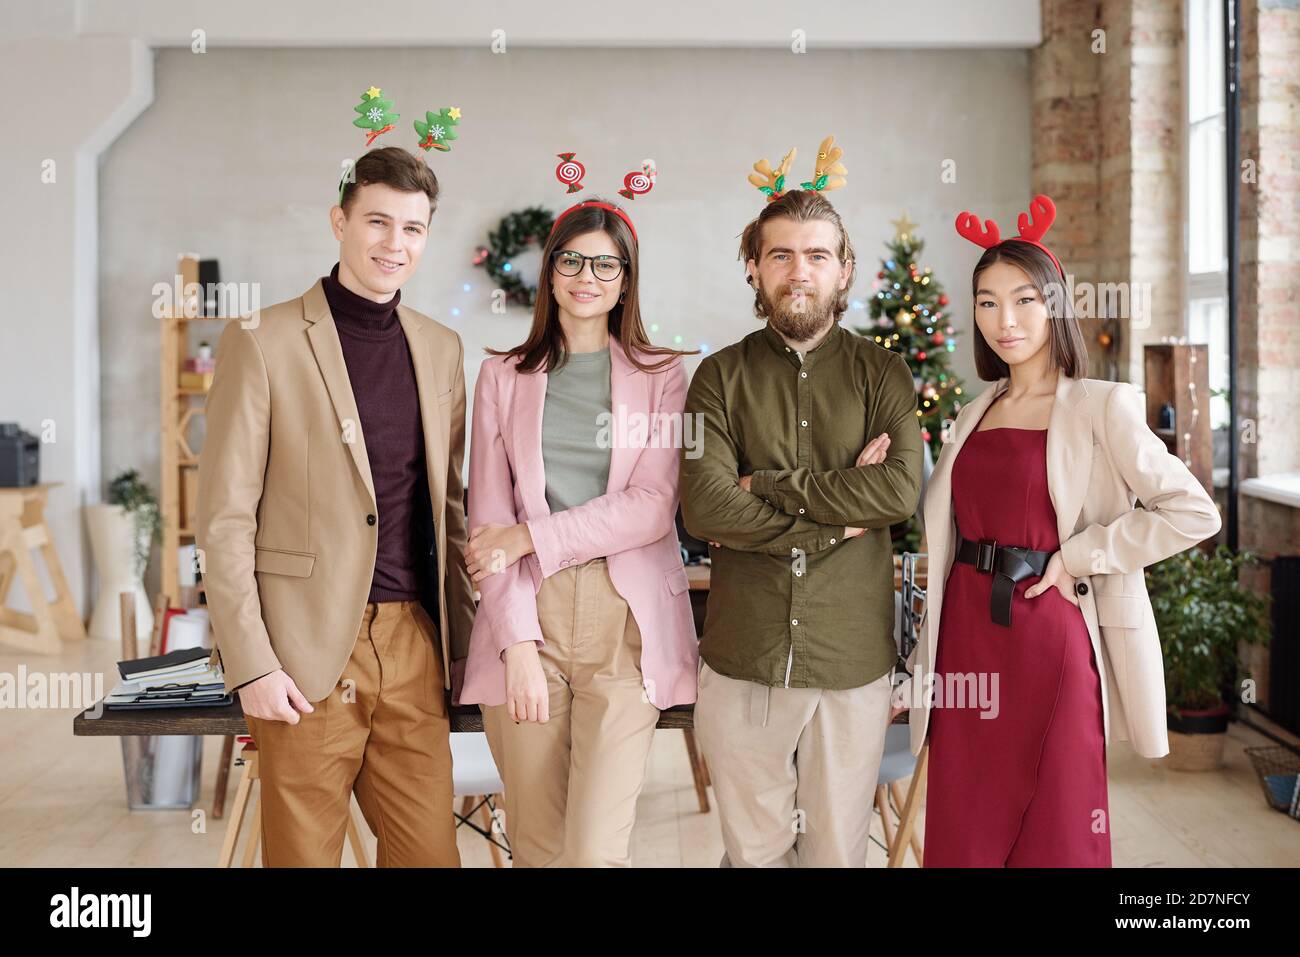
[{"x": 943, "y": 299}]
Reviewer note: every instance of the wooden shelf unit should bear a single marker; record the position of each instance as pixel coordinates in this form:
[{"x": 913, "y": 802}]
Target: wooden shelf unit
[
  {"x": 180, "y": 406},
  {"x": 1179, "y": 375}
]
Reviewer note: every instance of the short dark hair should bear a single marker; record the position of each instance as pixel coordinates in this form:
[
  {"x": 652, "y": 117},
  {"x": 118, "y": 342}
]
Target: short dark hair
[
  {"x": 395, "y": 167},
  {"x": 801, "y": 205},
  {"x": 1069, "y": 354}
]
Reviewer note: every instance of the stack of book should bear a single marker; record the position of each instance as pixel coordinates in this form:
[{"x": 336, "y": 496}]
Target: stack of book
[{"x": 180, "y": 679}]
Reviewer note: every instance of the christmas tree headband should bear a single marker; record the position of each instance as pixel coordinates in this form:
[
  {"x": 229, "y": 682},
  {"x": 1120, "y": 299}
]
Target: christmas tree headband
[
  {"x": 375, "y": 114},
  {"x": 1043, "y": 211},
  {"x": 828, "y": 172},
  {"x": 636, "y": 183}
]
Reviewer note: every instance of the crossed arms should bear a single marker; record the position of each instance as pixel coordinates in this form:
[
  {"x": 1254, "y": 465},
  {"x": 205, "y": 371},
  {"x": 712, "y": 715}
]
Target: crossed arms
[{"x": 798, "y": 508}]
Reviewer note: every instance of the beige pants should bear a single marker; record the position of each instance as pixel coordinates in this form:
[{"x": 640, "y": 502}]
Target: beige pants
[
  {"x": 572, "y": 783},
  {"x": 382, "y": 731},
  {"x": 794, "y": 769}
]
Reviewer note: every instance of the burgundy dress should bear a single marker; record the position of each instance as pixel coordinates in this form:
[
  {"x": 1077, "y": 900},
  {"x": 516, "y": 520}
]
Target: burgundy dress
[{"x": 1017, "y": 774}]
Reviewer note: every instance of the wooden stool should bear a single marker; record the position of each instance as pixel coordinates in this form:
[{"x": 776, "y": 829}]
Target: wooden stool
[
  {"x": 248, "y": 758},
  {"x": 22, "y": 529}
]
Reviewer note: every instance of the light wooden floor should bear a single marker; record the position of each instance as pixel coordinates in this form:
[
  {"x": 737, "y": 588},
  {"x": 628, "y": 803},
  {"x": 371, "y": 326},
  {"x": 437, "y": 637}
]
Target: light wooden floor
[{"x": 63, "y": 803}]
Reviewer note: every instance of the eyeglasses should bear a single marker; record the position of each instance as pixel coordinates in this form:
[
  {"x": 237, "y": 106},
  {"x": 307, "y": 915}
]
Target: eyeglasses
[{"x": 604, "y": 268}]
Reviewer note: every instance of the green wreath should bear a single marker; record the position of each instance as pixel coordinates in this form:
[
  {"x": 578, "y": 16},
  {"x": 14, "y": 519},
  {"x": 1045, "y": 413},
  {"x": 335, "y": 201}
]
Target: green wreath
[{"x": 515, "y": 233}]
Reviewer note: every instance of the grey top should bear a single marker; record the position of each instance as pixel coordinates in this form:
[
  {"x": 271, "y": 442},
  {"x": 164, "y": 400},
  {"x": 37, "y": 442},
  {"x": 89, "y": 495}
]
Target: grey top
[{"x": 578, "y": 403}]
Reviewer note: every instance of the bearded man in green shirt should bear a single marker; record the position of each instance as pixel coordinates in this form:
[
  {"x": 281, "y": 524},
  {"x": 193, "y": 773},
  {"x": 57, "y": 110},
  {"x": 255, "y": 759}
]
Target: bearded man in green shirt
[{"x": 810, "y": 449}]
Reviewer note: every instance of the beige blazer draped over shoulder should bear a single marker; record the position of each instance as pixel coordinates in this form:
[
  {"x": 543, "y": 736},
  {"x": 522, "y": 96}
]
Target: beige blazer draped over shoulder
[{"x": 1122, "y": 502}]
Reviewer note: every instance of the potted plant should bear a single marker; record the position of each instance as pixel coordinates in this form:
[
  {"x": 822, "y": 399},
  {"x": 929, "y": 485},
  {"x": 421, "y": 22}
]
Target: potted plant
[
  {"x": 122, "y": 533},
  {"x": 1202, "y": 614}
]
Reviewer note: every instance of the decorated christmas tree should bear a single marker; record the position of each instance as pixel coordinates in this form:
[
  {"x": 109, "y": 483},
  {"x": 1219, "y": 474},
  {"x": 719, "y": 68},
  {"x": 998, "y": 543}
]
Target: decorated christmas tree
[{"x": 909, "y": 316}]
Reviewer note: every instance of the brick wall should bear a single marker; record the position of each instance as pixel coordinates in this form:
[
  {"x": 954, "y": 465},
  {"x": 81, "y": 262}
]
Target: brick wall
[{"x": 1107, "y": 125}]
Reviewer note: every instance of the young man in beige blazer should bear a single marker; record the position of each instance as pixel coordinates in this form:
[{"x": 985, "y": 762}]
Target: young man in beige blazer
[{"x": 331, "y": 526}]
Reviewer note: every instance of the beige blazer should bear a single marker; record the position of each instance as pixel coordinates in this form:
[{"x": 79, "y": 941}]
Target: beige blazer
[
  {"x": 286, "y": 500},
  {"x": 1122, "y": 502}
]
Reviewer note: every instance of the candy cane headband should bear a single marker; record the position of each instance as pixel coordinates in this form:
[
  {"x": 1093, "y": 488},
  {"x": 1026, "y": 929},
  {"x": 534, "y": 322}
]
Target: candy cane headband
[
  {"x": 828, "y": 172},
  {"x": 1032, "y": 230},
  {"x": 636, "y": 183},
  {"x": 375, "y": 114}
]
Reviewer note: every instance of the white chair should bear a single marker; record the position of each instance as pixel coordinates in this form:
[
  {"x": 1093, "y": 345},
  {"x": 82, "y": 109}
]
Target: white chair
[{"x": 476, "y": 780}]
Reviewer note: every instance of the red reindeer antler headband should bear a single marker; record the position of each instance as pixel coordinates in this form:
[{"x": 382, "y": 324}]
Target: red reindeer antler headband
[
  {"x": 1032, "y": 230},
  {"x": 636, "y": 183}
]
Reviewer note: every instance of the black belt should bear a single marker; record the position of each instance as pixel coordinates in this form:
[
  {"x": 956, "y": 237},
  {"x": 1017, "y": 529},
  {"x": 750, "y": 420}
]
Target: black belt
[{"x": 1007, "y": 564}]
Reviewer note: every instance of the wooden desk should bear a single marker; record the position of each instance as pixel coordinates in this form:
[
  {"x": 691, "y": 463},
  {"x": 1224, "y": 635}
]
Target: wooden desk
[
  {"x": 229, "y": 720},
  {"x": 22, "y": 531}
]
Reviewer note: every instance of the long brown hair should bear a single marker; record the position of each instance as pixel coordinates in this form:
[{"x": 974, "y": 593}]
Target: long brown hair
[
  {"x": 545, "y": 347},
  {"x": 1069, "y": 355}
]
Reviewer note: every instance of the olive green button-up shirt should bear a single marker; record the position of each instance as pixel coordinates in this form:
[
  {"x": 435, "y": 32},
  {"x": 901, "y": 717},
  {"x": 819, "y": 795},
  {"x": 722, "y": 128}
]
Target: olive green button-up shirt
[{"x": 793, "y": 603}]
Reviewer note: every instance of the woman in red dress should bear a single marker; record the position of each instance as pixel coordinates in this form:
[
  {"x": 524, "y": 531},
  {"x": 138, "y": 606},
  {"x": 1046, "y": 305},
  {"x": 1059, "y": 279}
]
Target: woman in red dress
[
  {"x": 1018, "y": 725},
  {"x": 1017, "y": 772}
]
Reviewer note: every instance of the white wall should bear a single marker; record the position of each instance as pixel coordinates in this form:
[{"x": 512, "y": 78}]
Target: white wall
[
  {"x": 237, "y": 158},
  {"x": 238, "y": 155}
]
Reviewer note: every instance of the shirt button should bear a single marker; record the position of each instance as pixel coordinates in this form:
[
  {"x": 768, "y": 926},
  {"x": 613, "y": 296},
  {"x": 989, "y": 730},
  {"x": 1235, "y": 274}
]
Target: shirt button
[
  {"x": 370, "y": 520},
  {"x": 798, "y": 574},
  {"x": 794, "y": 551},
  {"x": 794, "y": 621},
  {"x": 800, "y": 511},
  {"x": 803, "y": 375},
  {"x": 1081, "y": 588},
  {"x": 804, "y": 423},
  {"x": 832, "y": 541}
]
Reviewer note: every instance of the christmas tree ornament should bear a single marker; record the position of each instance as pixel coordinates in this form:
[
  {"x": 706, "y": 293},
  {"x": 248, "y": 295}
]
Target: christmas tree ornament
[
  {"x": 1031, "y": 226},
  {"x": 903, "y": 228},
  {"x": 570, "y": 172}
]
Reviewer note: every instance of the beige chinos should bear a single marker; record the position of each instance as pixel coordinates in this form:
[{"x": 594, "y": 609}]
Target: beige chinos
[
  {"x": 794, "y": 769},
  {"x": 571, "y": 784}
]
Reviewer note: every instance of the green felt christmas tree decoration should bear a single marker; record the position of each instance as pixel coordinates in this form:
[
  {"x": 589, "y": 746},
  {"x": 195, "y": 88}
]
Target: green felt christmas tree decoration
[
  {"x": 438, "y": 129},
  {"x": 376, "y": 114}
]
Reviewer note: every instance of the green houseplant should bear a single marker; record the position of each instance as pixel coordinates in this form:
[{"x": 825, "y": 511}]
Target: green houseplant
[
  {"x": 1202, "y": 614},
  {"x": 138, "y": 500}
]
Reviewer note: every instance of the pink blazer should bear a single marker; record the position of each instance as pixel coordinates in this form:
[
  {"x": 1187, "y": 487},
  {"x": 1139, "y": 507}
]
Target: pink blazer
[{"x": 632, "y": 524}]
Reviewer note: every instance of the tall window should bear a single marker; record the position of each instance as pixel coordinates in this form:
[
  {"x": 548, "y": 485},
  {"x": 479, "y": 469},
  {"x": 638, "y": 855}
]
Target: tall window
[{"x": 1207, "y": 261}]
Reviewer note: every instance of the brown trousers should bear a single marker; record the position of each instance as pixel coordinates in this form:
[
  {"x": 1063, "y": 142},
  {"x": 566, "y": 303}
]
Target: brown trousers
[
  {"x": 572, "y": 783},
  {"x": 383, "y": 731}
]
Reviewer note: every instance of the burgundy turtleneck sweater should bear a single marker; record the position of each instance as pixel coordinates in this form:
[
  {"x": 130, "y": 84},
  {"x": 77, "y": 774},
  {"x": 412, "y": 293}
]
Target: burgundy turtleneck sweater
[{"x": 388, "y": 403}]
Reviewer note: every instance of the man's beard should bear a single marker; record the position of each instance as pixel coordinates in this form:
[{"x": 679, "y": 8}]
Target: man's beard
[{"x": 798, "y": 320}]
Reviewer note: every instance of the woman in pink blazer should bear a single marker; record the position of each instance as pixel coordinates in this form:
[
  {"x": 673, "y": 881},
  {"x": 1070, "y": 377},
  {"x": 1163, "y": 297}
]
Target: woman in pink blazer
[{"x": 584, "y": 630}]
